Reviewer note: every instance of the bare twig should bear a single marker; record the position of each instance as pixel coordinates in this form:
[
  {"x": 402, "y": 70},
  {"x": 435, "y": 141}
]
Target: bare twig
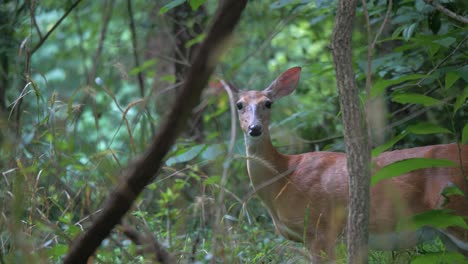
[
  {"x": 33, "y": 19},
  {"x": 142, "y": 170},
  {"x": 446, "y": 11},
  {"x": 47, "y": 35},
  {"x": 150, "y": 245},
  {"x": 219, "y": 203},
  {"x": 108, "y": 8},
  {"x": 141, "y": 81}
]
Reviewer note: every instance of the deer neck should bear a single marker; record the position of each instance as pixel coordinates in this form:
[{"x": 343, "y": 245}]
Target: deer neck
[{"x": 264, "y": 165}]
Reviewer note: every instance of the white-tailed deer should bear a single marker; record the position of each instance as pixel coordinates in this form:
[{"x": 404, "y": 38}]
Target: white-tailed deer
[{"x": 307, "y": 194}]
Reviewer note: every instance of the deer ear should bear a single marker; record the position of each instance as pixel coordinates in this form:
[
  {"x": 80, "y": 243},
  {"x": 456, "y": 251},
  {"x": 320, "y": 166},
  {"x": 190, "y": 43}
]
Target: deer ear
[{"x": 284, "y": 85}]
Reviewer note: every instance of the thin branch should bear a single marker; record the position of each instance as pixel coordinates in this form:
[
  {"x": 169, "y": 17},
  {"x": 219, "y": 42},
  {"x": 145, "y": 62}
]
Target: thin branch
[
  {"x": 33, "y": 19},
  {"x": 142, "y": 171},
  {"x": 150, "y": 245},
  {"x": 141, "y": 81},
  {"x": 47, "y": 35},
  {"x": 108, "y": 8},
  {"x": 446, "y": 11},
  {"x": 227, "y": 162}
]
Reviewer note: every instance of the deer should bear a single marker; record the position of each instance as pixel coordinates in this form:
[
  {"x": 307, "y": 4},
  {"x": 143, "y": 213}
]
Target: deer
[{"x": 306, "y": 194}]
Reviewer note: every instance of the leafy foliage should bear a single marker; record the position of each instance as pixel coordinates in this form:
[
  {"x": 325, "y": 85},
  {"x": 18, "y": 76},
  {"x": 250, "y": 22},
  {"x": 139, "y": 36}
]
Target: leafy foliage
[{"x": 74, "y": 114}]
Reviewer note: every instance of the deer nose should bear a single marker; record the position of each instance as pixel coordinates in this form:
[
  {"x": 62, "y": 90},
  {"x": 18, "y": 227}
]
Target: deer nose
[{"x": 255, "y": 130}]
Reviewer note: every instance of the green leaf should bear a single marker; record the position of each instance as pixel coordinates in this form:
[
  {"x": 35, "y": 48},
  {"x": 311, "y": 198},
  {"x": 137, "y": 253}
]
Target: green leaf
[
  {"x": 465, "y": 134},
  {"x": 460, "y": 100},
  {"x": 451, "y": 190},
  {"x": 407, "y": 165},
  {"x": 438, "y": 257},
  {"x": 145, "y": 66},
  {"x": 427, "y": 128},
  {"x": 445, "y": 42},
  {"x": 450, "y": 79},
  {"x": 441, "y": 218},
  {"x": 187, "y": 155},
  {"x": 379, "y": 87},
  {"x": 195, "y": 40},
  {"x": 195, "y": 4},
  {"x": 212, "y": 180},
  {"x": 376, "y": 151},
  {"x": 413, "y": 98},
  {"x": 58, "y": 250},
  {"x": 170, "y": 6},
  {"x": 213, "y": 152},
  {"x": 170, "y": 78},
  {"x": 408, "y": 31}
]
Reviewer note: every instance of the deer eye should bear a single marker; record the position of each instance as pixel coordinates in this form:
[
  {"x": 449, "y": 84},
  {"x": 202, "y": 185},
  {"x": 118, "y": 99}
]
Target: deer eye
[
  {"x": 268, "y": 104},
  {"x": 239, "y": 105}
]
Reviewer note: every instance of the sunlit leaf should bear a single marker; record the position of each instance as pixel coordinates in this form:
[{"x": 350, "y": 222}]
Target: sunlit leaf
[
  {"x": 465, "y": 134},
  {"x": 438, "y": 218},
  {"x": 58, "y": 250},
  {"x": 451, "y": 190},
  {"x": 412, "y": 98},
  {"x": 408, "y": 31},
  {"x": 170, "y": 6},
  {"x": 213, "y": 152},
  {"x": 427, "y": 128},
  {"x": 437, "y": 258},
  {"x": 187, "y": 155},
  {"x": 195, "y": 4},
  {"x": 407, "y": 165},
  {"x": 195, "y": 40},
  {"x": 212, "y": 180},
  {"x": 379, "y": 87}
]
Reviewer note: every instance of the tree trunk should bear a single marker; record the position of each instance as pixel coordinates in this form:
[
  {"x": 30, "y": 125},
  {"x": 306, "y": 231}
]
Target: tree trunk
[{"x": 355, "y": 134}]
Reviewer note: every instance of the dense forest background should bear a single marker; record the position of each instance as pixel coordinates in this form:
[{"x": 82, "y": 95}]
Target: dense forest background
[{"x": 85, "y": 85}]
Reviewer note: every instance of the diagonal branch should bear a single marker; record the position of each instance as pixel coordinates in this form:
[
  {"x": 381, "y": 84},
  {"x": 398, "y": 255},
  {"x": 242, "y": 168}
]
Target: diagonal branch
[
  {"x": 141, "y": 171},
  {"x": 42, "y": 40},
  {"x": 446, "y": 11}
]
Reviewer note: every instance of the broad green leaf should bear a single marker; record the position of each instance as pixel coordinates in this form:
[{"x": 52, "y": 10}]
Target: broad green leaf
[
  {"x": 170, "y": 6},
  {"x": 195, "y": 40},
  {"x": 427, "y": 128},
  {"x": 441, "y": 218},
  {"x": 212, "y": 180},
  {"x": 446, "y": 42},
  {"x": 170, "y": 78},
  {"x": 465, "y": 134},
  {"x": 407, "y": 165},
  {"x": 412, "y": 98},
  {"x": 460, "y": 100},
  {"x": 450, "y": 79},
  {"x": 213, "y": 152},
  {"x": 408, "y": 31},
  {"x": 438, "y": 258},
  {"x": 186, "y": 155},
  {"x": 451, "y": 190},
  {"x": 195, "y": 4},
  {"x": 376, "y": 151},
  {"x": 145, "y": 66},
  {"x": 379, "y": 87},
  {"x": 58, "y": 250}
]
